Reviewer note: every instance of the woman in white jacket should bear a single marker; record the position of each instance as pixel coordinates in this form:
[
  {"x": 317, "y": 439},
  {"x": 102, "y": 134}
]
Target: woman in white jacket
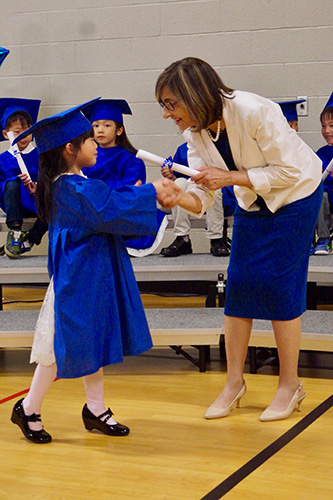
[{"x": 241, "y": 139}]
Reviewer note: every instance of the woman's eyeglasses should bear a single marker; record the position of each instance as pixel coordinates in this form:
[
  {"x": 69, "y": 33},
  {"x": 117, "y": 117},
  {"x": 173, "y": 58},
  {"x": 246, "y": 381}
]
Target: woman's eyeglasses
[{"x": 169, "y": 105}]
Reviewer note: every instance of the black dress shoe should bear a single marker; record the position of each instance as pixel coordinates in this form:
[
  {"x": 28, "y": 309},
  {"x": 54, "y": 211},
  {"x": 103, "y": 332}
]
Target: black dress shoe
[
  {"x": 218, "y": 248},
  {"x": 21, "y": 419},
  {"x": 92, "y": 422},
  {"x": 178, "y": 247}
]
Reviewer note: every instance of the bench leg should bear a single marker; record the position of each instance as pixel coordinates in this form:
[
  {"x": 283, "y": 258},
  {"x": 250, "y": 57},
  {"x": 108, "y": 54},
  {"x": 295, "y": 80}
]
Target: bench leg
[
  {"x": 202, "y": 357},
  {"x": 311, "y": 295},
  {"x": 253, "y": 359}
]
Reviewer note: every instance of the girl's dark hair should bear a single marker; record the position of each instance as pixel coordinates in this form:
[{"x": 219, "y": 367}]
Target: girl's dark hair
[
  {"x": 327, "y": 113},
  {"x": 122, "y": 139},
  {"x": 198, "y": 86},
  {"x": 22, "y": 116},
  {"x": 51, "y": 164}
]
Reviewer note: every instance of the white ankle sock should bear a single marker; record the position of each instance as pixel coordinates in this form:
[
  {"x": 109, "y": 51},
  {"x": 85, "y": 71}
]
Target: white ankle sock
[
  {"x": 41, "y": 382},
  {"x": 93, "y": 385}
]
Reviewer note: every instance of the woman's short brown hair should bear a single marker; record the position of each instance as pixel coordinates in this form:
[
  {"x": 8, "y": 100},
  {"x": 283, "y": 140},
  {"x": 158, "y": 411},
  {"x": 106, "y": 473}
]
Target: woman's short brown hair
[{"x": 198, "y": 86}]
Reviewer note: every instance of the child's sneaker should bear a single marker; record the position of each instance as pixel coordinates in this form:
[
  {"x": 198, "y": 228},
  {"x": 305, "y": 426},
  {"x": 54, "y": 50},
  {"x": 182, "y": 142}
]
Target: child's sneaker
[
  {"x": 323, "y": 246},
  {"x": 26, "y": 245},
  {"x": 13, "y": 244}
]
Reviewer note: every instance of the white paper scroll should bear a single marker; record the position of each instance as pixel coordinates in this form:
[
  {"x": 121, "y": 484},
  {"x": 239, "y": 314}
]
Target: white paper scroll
[
  {"x": 17, "y": 154},
  {"x": 158, "y": 160},
  {"x": 328, "y": 169}
]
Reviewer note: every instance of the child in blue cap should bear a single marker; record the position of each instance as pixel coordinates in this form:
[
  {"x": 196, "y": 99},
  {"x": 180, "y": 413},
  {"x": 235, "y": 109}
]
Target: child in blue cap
[
  {"x": 289, "y": 109},
  {"x": 116, "y": 161},
  {"x": 117, "y": 164},
  {"x": 17, "y": 190},
  {"x": 324, "y": 245},
  {"x": 92, "y": 314}
]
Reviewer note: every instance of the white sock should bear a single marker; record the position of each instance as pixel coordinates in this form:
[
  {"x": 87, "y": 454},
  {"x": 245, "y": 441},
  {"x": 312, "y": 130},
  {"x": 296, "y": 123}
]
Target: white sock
[
  {"x": 93, "y": 385},
  {"x": 41, "y": 382}
]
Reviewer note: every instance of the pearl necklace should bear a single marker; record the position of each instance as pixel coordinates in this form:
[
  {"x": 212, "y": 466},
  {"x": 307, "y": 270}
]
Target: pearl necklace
[{"x": 217, "y": 133}]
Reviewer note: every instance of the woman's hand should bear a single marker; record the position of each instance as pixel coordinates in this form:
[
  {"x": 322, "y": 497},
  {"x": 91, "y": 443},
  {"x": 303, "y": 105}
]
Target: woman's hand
[
  {"x": 168, "y": 193},
  {"x": 212, "y": 178},
  {"x": 28, "y": 183},
  {"x": 215, "y": 178}
]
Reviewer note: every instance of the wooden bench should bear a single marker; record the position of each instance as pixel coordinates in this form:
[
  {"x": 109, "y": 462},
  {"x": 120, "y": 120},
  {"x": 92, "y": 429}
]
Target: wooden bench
[{"x": 197, "y": 327}]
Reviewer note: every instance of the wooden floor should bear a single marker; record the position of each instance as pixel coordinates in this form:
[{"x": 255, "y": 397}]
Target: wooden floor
[{"x": 172, "y": 452}]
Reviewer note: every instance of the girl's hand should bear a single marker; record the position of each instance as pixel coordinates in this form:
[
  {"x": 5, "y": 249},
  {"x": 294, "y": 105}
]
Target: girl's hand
[
  {"x": 28, "y": 183},
  {"x": 167, "y": 173},
  {"x": 168, "y": 193},
  {"x": 138, "y": 183},
  {"x": 212, "y": 178}
]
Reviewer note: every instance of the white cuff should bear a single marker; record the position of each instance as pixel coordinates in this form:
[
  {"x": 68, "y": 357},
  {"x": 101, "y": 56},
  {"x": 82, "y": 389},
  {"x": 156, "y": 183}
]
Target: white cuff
[{"x": 259, "y": 180}]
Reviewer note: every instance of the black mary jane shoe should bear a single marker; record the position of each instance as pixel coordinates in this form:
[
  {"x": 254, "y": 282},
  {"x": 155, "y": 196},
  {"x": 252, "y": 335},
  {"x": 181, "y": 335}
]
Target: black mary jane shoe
[
  {"x": 22, "y": 420},
  {"x": 92, "y": 422}
]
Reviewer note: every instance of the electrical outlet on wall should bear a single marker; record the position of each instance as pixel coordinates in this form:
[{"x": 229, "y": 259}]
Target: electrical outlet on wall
[{"x": 302, "y": 107}]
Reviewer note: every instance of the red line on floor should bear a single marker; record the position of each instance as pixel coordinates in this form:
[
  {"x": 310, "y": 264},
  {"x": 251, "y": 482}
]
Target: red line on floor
[
  {"x": 17, "y": 394},
  {"x": 13, "y": 396}
]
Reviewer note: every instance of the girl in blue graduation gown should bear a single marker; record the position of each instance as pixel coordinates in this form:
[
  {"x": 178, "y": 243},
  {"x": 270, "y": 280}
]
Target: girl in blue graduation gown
[
  {"x": 117, "y": 164},
  {"x": 93, "y": 308}
]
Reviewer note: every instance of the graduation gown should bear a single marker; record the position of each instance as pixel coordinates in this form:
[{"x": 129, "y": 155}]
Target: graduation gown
[
  {"x": 326, "y": 154},
  {"x": 117, "y": 167},
  {"x": 9, "y": 170},
  {"x": 99, "y": 316}
]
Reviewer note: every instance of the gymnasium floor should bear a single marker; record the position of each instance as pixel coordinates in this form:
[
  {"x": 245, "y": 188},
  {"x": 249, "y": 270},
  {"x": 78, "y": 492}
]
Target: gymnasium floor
[{"x": 172, "y": 452}]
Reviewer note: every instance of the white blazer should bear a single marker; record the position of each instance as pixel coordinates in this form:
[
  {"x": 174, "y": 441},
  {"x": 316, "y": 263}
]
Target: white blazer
[{"x": 281, "y": 167}]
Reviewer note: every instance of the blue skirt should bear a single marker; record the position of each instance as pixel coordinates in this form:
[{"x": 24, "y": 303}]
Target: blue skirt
[{"x": 267, "y": 274}]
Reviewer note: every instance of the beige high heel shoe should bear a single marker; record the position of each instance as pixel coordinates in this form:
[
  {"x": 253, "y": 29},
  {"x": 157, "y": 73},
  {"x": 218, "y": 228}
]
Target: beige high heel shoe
[
  {"x": 296, "y": 400},
  {"x": 215, "y": 412}
]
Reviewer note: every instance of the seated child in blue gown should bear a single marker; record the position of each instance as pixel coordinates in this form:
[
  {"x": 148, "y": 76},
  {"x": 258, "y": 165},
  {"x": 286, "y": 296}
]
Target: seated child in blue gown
[
  {"x": 116, "y": 162},
  {"x": 17, "y": 191},
  {"x": 224, "y": 205},
  {"x": 324, "y": 224},
  {"x": 92, "y": 314}
]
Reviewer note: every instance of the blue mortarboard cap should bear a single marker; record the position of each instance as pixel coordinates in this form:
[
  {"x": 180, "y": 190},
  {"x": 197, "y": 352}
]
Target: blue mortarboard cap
[
  {"x": 3, "y": 54},
  {"x": 289, "y": 109},
  {"x": 108, "y": 109},
  {"x": 56, "y": 130},
  {"x": 329, "y": 103},
  {"x": 11, "y": 105}
]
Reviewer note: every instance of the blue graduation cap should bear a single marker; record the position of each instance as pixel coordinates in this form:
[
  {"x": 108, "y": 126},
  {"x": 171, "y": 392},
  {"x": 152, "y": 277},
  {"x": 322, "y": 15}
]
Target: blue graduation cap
[
  {"x": 56, "y": 130},
  {"x": 329, "y": 103},
  {"x": 289, "y": 109},
  {"x": 3, "y": 54},
  {"x": 108, "y": 109},
  {"x": 11, "y": 105}
]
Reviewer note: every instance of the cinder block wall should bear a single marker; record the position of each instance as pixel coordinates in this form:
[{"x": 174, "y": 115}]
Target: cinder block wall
[{"x": 66, "y": 52}]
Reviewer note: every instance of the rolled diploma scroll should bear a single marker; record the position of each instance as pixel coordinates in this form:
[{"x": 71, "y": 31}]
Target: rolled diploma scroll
[
  {"x": 328, "y": 169},
  {"x": 18, "y": 155},
  {"x": 162, "y": 162}
]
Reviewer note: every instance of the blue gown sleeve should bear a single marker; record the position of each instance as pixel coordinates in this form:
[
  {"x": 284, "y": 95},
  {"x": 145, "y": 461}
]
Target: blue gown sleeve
[
  {"x": 133, "y": 169},
  {"x": 126, "y": 211}
]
